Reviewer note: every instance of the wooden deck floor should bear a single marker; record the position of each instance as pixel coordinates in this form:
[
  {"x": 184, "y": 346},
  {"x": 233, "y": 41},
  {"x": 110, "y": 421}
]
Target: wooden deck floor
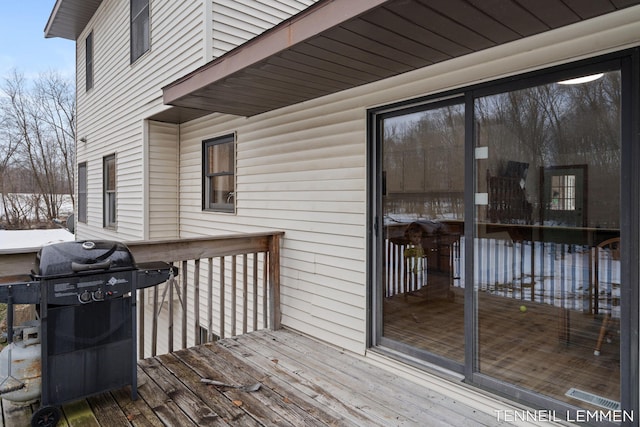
[{"x": 303, "y": 383}]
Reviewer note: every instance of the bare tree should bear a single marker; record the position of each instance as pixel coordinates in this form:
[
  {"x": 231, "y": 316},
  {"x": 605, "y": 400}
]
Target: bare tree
[
  {"x": 38, "y": 125},
  {"x": 8, "y": 147}
]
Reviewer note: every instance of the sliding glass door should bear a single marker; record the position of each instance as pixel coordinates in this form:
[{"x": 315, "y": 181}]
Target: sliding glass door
[
  {"x": 547, "y": 238},
  {"x": 498, "y": 213},
  {"x": 423, "y": 208}
]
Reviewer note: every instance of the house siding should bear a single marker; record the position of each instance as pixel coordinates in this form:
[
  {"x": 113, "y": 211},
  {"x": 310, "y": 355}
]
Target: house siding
[
  {"x": 162, "y": 179},
  {"x": 302, "y": 169},
  {"x": 112, "y": 114},
  {"x": 236, "y": 21}
]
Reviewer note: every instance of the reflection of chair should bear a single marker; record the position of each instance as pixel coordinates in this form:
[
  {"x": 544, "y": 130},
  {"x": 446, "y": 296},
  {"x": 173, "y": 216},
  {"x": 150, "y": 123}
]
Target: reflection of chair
[{"x": 606, "y": 265}]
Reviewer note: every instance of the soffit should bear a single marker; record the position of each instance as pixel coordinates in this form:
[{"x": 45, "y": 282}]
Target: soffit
[
  {"x": 69, "y": 17},
  {"x": 339, "y": 44}
]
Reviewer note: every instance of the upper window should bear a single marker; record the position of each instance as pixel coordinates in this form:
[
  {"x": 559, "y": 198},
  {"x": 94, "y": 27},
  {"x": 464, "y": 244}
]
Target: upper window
[
  {"x": 139, "y": 28},
  {"x": 218, "y": 175},
  {"x": 109, "y": 190},
  {"x": 89, "y": 60},
  {"x": 82, "y": 192}
]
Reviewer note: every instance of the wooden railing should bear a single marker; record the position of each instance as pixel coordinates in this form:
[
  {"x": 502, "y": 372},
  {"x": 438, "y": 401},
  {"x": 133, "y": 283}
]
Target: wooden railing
[{"x": 226, "y": 286}]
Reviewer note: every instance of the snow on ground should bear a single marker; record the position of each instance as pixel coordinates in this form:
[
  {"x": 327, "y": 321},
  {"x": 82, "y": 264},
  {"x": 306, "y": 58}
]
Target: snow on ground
[{"x": 32, "y": 239}]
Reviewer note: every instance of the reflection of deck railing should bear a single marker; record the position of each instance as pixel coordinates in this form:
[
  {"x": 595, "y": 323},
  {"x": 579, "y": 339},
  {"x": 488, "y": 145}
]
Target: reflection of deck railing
[
  {"x": 226, "y": 286},
  {"x": 562, "y": 275},
  {"x": 558, "y": 274}
]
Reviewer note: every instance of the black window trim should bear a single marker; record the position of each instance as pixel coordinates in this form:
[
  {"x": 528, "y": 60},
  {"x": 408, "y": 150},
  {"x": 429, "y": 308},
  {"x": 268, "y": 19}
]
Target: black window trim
[
  {"x": 82, "y": 192},
  {"x": 229, "y": 138},
  {"x": 133, "y": 21},
  {"x": 89, "y": 61},
  {"x": 109, "y": 215}
]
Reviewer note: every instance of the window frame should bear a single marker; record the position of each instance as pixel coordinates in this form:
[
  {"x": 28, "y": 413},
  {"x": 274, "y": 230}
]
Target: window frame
[
  {"x": 82, "y": 192},
  {"x": 137, "y": 21},
  {"x": 89, "y": 61},
  {"x": 109, "y": 193},
  {"x": 207, "y": 204}
]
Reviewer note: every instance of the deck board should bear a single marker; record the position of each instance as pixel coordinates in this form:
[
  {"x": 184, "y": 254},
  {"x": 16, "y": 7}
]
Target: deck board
[{"x": 304, "y": 383}]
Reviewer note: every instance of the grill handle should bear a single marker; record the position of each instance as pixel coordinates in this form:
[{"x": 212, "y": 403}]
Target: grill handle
[{"x": 77, "y": 267}]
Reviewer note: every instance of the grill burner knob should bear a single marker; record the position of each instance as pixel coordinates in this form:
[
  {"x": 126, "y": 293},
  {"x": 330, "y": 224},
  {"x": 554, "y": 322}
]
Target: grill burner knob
[
  {"x": 98, "y": 295},
  {"x": 85, "y": 296}
]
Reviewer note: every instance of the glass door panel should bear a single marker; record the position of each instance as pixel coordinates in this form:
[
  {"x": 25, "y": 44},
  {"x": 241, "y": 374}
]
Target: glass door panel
[
  {"x": 547, "y": 232},
  {"x": 422, "y": 203}
]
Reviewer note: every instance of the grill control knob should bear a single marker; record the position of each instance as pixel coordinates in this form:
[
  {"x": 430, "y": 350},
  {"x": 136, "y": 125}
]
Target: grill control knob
[
  {"x": 85, "y": 296},
  {"x": 98, "y": 295}
]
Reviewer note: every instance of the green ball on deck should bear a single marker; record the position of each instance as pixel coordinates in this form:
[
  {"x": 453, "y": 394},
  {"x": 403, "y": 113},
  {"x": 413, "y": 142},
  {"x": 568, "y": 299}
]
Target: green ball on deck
[{"x": 523, "y": 308}]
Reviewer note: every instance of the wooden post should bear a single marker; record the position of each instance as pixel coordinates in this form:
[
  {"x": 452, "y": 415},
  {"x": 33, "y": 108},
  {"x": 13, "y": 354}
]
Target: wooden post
[
  {"x": 210, "y": 301},
  {"x": 222, "y": 296},
  {"x": 245, "y": 298},
  {"x": 183, "y": 303},
  {"x": 196, "y": 302},
  {"x": 274, "y": 282},
  {"x": 234, "y": 289},
  {"x": 255, "y": 291}
]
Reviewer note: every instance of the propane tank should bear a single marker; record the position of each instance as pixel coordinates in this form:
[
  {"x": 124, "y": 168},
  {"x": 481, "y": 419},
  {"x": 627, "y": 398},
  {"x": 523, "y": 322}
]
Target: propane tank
[{"x": 20, "y": 367}]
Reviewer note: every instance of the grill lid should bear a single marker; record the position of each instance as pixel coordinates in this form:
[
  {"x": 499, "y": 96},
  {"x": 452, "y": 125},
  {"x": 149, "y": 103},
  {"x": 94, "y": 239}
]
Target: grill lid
[{"x": 70, "y": 258}]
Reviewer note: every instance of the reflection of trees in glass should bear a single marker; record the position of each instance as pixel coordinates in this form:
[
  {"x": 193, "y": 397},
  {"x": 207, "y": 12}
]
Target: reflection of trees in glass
[
  {"x": 543, "y": 126},
  {"x": 556, "y": 125},
  {"x": 424, "y": 163},
  {"x": 549, "y": 123}
]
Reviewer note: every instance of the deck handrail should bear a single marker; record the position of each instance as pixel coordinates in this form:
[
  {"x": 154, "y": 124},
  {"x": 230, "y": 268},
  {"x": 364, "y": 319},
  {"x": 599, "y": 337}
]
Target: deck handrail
[{"x": 246, "y": 264}]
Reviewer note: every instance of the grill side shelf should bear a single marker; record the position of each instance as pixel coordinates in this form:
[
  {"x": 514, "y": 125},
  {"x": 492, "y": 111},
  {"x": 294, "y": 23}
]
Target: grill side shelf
[
  {"x": 23, "y": 292},
  {"x": 154, "y": 273}
]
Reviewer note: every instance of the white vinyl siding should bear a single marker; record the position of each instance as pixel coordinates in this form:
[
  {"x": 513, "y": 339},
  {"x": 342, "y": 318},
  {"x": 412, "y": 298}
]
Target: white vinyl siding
[
  {"x": 302, "y": 172},
  {"x": 162, "y": 191},
  {"x": 236, "y": 21},
  {"x": 111, "y": 116},
  {"x": 302, "y": 169}
]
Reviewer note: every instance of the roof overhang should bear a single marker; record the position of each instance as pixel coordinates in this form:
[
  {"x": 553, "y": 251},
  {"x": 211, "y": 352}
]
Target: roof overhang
[
  {"x": 69, "y": 17},
  {"x": 339, "y": 44}
]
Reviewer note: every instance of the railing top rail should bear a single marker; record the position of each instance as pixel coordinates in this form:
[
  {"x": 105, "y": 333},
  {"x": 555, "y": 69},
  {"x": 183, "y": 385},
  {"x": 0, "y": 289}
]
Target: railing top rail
[
  {"x": 201, "y": 247},
  {"x": 22, "y": 261}
]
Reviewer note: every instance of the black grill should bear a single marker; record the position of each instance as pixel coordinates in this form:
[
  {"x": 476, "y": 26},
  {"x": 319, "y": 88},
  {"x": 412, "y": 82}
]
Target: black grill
[{"x": 85, "y": 292}]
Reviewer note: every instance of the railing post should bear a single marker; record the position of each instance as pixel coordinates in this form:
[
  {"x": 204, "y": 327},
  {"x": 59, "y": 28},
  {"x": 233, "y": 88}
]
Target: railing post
[
  {"x": 196, "y": 301},
  {"x": 222, "y": 297},
  {"x": 183, "y": 304},
  {"x": 234, "y": 290},
  {"x": 274, "y": 282}
]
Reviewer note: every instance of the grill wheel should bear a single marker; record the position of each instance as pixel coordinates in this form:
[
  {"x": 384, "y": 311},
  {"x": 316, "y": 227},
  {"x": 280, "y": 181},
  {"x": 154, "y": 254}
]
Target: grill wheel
[{"x": 47, "y": 416}]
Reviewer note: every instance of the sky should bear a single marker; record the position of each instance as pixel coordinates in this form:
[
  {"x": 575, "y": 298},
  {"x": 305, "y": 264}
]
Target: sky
[{"x": 23, "y": 46}]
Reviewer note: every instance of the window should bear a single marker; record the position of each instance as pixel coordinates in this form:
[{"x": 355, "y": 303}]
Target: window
[
  {"x": 218, "y": 177},
  {"x": 82, "y": 192},
  {"x": 563, "y": 193},
  {"x": 139, "y": 28},
  {"x": 109, "y": 186},
  {"x": 89, "y": 60}
]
